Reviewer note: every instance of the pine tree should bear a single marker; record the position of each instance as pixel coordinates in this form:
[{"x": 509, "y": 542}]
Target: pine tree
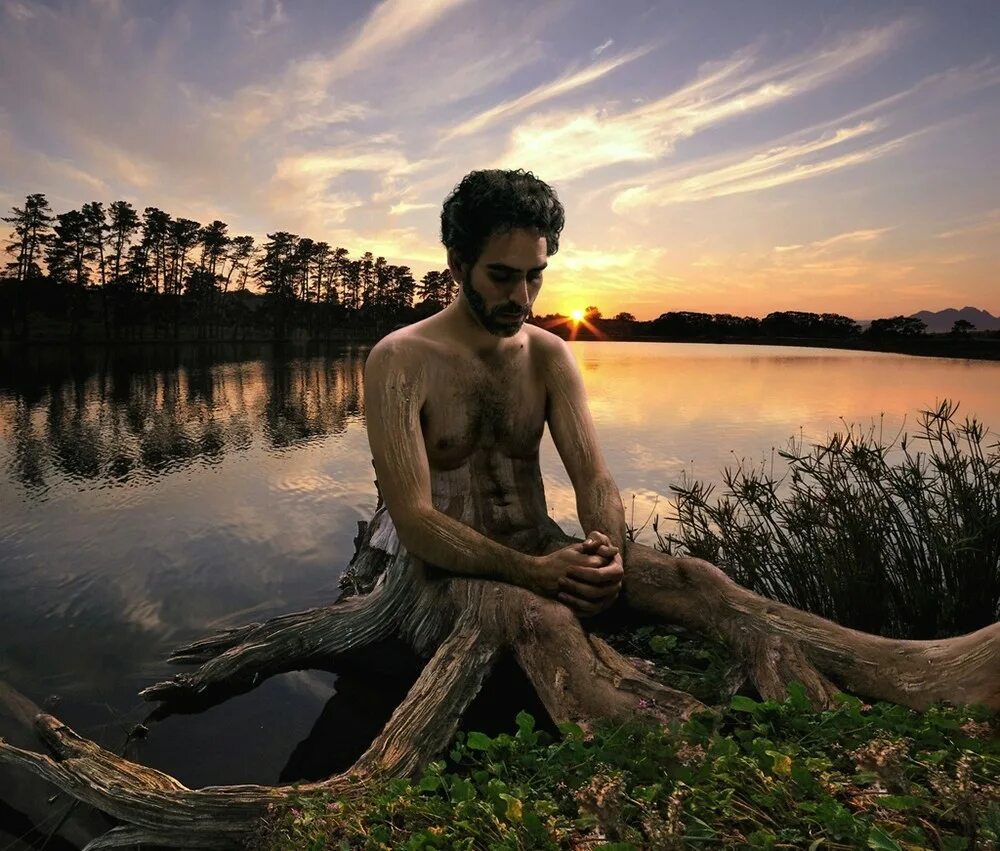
[
  {"x": 32, "y": 231},
  {"x": 96, "y": 224},
  {"x": 124, "y": 223},
  {"x": 70, "y": 250},
  {"x": 214, "y": 240}
]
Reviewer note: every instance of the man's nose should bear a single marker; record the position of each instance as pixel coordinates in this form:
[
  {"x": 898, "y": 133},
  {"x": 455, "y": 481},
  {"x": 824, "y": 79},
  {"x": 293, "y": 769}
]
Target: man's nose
[{"x": 520, "y": 294}]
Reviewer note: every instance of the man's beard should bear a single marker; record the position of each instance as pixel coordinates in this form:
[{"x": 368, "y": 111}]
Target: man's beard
[{"x": 503, "y": 321}]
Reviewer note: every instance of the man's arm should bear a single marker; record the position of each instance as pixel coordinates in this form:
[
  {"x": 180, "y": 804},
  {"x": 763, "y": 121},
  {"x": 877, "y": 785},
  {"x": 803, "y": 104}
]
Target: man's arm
[
  {"x": 598, "y": 501},
  {"x": 395, "y": 390}
]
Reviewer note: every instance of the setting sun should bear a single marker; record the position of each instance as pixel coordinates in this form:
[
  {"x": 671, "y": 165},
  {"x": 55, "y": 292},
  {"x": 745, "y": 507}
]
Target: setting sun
[{"x": 576, "y": 315}]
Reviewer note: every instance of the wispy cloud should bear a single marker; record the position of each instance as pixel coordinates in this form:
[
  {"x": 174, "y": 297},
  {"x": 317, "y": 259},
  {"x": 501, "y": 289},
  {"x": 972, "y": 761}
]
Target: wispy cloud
[
  {"x": 304, "y": 97},
  {"x": 988, "y": 222},
  {"x": 18, "y": 11},
  {"x": 775, "y": 167},
  {"x": 566, "y": 83},
  {"x": 308, "y": 180},
  {"x": 392, "y": 24},
  {"x": 850, "y": 237},
  {"x": 404, "y": 207},
  {"x": 569, "y": 144},
  {"x": 263, "y": 17},
  {"x": 597, "y": 51}
]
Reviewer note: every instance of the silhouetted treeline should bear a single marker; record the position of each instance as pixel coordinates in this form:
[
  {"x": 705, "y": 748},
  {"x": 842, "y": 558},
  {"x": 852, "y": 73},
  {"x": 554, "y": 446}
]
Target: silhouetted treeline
[
  {"x": 689, "y": 325},
  {"x": 897, "y": 333},
  {"x": 114, "y": 273}
]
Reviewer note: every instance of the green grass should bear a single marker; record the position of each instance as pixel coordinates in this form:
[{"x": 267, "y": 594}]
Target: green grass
[{"x": 894, "y": 536}]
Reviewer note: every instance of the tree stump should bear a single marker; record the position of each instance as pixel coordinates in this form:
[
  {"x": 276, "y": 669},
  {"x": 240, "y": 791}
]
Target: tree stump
[{"x": 461, "y": 626}]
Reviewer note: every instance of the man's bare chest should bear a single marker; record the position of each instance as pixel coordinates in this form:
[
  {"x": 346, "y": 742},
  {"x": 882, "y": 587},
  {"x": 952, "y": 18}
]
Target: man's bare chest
[{"x": 475, "y": 407}]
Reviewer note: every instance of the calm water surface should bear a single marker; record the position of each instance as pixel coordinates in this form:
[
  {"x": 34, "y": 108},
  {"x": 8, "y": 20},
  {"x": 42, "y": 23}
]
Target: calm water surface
[{"x": 148, "y": 497}]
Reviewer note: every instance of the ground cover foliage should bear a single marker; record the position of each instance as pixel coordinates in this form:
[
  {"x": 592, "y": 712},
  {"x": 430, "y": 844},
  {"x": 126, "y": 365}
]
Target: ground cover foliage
[
  {"x": 899, "y": 537},
  {"x": 760, "y": 774}
]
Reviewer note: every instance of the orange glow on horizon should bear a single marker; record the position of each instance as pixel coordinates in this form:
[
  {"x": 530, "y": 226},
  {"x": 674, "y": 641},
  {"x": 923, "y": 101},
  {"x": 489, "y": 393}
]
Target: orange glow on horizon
[{"x": 575, "y": 319}]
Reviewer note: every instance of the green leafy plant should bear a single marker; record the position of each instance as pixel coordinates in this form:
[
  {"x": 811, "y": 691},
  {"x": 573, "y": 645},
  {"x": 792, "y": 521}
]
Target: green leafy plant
[{"x": 762, "y": 774}]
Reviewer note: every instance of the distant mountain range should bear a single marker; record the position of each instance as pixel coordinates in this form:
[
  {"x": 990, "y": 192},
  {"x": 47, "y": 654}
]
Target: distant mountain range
[{"x": 942, "y": 320}]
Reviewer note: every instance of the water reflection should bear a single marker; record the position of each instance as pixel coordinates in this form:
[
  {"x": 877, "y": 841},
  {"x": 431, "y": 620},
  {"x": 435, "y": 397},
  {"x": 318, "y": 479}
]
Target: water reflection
[
  {"x": 112, "y": 417},
  {"x": 149, "y": 496},
  {"x": 668, "y": 410}
]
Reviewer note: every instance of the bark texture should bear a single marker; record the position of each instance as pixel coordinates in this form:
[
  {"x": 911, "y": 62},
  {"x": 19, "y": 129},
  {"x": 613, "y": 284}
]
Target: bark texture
[{"x": 461, "y": 625}]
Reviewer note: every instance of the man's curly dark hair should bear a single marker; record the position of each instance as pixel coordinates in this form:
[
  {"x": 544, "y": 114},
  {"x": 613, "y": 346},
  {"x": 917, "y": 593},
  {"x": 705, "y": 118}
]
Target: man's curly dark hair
[{"x": 497, "y": 201}]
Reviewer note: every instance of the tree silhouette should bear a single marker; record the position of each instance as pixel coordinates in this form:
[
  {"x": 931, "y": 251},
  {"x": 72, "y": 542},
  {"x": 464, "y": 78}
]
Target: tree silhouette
[
  {"x": 962, "y": 327},
  {"x": 240, "y": 256},
  {"x": 366, "y": 273},
  {"x": 352, "y": 284},
  {"x": 184, "y": 235},
  {"x": 155, "y": 224},
  {"x": 70, "y": 250},
  {"x": 897, "y": 326},
  {"x": 321, "y": 258},
  {"x": 214, "y": 240},
  {"x": 124, "y": 223},
  {"x": 32, "y": 230},
  {"x": 437, "y": 289},
  {"x": 96, "y": 227},
  {"x": 405, "y": 287},
  {"x": 336, "y": 283}
]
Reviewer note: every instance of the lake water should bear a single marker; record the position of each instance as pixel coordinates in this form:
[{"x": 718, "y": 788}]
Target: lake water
[{"x": 150, "y": 496}]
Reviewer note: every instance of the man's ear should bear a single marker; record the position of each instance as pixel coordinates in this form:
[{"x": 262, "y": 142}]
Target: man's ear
[{"x": 455, "y": 266}]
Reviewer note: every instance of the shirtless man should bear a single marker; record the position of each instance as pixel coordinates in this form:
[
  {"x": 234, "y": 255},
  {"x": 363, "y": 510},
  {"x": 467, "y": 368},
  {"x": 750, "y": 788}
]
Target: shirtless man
[{"x": 456, "y": 406}]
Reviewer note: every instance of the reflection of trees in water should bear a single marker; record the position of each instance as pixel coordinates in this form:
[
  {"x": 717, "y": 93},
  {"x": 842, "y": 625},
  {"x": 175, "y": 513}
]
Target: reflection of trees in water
[
  {"x": 115, "y": 415},
  {"x": 307, "y": 399}
]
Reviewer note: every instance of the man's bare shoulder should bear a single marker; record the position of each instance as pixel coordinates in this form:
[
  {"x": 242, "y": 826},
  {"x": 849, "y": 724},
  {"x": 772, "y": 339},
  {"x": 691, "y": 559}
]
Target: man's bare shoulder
[
  {"x": 547, "y": 348},
  {"x": 406, "y": 349}
]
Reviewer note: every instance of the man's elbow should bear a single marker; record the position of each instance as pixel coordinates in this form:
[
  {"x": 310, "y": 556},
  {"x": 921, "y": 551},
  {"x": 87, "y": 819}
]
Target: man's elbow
[{"x": 413, "y": 525}]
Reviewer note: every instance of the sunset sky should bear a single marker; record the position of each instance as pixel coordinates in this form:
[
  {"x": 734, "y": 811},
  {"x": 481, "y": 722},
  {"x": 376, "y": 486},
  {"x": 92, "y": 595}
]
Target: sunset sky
[{"x": 716, "y": 156}]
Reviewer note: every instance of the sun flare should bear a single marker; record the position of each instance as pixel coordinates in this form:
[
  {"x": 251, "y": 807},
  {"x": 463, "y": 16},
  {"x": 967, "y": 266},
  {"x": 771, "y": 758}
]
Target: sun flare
[{"x": 576, "y": 315}]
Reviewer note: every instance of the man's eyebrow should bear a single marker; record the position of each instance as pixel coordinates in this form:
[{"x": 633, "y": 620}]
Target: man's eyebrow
[{"x": 503, "y": 267}]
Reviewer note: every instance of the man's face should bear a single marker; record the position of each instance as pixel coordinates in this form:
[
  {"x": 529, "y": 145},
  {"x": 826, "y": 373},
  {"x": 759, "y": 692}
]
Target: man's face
[{"x": 505, "y": 281}]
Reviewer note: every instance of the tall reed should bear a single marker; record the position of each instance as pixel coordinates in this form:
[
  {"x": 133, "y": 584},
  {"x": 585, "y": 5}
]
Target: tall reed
[{"x": 899, "y": 537}]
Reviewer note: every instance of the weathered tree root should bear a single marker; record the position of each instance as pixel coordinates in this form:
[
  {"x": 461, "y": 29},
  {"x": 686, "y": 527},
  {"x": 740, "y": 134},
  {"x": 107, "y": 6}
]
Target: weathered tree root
[
  {"x": 463, "y": 625},
  {"x": 779, "y": 644},
  {"x": 235, "y": 661}
]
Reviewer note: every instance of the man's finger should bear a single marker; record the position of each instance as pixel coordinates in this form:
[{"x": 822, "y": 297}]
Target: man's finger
[
  {"x": 596, "y": 540},
  {"x": 586, "y": 590},
  {"x": 596, "y": 575},
  {"x": 589, "y": 562}
]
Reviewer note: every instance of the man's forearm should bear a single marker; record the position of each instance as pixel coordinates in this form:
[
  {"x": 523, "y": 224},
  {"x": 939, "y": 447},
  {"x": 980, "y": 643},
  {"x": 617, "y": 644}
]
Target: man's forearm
[
  {"x": 600, "y": 508},
  {"x": 449, "y": 544}
]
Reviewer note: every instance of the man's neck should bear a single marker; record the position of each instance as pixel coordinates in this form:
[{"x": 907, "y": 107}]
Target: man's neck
[{"x": 468, "y": 331}]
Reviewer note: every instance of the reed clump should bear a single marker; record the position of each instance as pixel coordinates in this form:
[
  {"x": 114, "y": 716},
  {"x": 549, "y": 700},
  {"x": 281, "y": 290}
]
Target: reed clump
[{"x": 895, "y": 536}]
